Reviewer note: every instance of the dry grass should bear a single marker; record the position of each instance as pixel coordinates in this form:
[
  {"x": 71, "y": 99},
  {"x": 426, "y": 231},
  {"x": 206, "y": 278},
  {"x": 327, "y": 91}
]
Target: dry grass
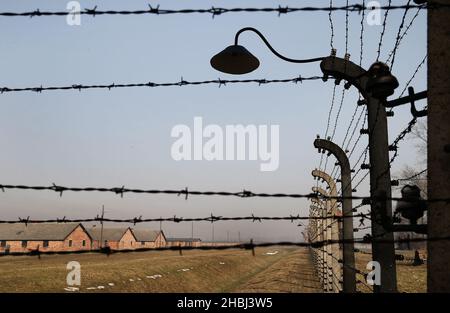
[
  {"x": 290, "y": 270},
  {"x": 209, "y": 271},
  {"x": 409, "y": 278}
]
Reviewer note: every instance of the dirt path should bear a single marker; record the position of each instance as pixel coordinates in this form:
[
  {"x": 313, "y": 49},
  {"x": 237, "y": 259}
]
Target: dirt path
[{"x": 292, "y": 273}]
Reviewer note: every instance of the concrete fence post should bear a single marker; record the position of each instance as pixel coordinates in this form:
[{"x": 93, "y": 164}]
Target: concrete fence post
[
  {"x": 380, "y": 177},
  {"x": 321, "y": 212},
  {"x": 335, "y": 229},
  {"x": 326, "y": 214},
  {"x": 318, "y": 237},
  {"x": 347, "y": 212}
]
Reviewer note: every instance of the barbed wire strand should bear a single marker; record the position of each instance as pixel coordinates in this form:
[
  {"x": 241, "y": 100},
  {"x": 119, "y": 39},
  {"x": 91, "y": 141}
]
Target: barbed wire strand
[
  {"x": 330, "y": 19},
  {"x": 361, "y": 36},
  {"x": 414, "y": 176},
  {"x": 397, "y": 40},
  {"x": 386, "y": 13},
  {"x": 215, "y": 11},
  {"x": 211, "y": 218},
  {"x": 182, "y": 82},
  {"x": 186, "y": 192},
  {"x": 400, "y": 137},
  {"x": 405, "y": 32},
  {"x": 330, "y": 112},
  {"x": 419, "y": 66},
  {"x": 343, "y": 89},
  {"x": 363, "y": 112}
]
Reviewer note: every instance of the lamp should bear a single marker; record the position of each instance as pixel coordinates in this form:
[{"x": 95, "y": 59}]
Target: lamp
[
  {"x": 412, "y": 206},
  {"x": 236, "y": 59}
]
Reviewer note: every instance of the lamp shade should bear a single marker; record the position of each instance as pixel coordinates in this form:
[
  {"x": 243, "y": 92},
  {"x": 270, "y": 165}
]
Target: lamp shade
[{"x": 235, "y": 59}]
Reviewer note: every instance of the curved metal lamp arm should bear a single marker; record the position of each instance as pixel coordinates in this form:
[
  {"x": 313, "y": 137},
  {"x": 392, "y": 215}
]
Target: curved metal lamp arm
[{"x": 271, "y": 48}]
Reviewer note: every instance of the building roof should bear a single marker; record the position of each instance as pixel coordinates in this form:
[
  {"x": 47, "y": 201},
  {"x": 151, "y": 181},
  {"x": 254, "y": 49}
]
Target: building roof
[
  {"x": 183, "y": 239},
  {"x": 109, "y": 234},
  {"x": 41, "y": 231},
  {"x": 145, "y": 235}
]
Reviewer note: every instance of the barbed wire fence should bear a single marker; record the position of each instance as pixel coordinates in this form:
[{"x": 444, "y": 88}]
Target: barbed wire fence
[
  {"x": 323, "y": 230},
  {"x": 330, "y": 274},
  {"x": 247, "y": 245}
]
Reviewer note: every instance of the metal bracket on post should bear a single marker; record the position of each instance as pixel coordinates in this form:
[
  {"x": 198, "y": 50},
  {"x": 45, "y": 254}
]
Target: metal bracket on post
[
  {"x": 410, "y": 98},
  {"x": 347, "y": 212}
]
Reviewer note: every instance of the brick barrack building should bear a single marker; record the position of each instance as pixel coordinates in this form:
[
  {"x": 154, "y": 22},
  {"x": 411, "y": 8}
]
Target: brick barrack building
[
  {"x": 45, "y": 237},
  {"x": 71, "y": 237},
  {"x": 126, "y": 238}
]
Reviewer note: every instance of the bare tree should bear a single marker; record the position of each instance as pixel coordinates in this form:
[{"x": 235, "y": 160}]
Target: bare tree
[
  {"x": 417, "y": 174},
  {"x": 419, "y": 134}
]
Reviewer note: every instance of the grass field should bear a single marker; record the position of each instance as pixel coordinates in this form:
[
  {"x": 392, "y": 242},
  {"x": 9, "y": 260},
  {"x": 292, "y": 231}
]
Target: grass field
[
  {"x": 288, "y": 270},
  {"x": 276, "y": 269},
  {"x": 409, "y": 278}
]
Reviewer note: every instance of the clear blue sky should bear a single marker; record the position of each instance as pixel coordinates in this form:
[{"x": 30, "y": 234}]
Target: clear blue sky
[{"x": 122, "y": 137}]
